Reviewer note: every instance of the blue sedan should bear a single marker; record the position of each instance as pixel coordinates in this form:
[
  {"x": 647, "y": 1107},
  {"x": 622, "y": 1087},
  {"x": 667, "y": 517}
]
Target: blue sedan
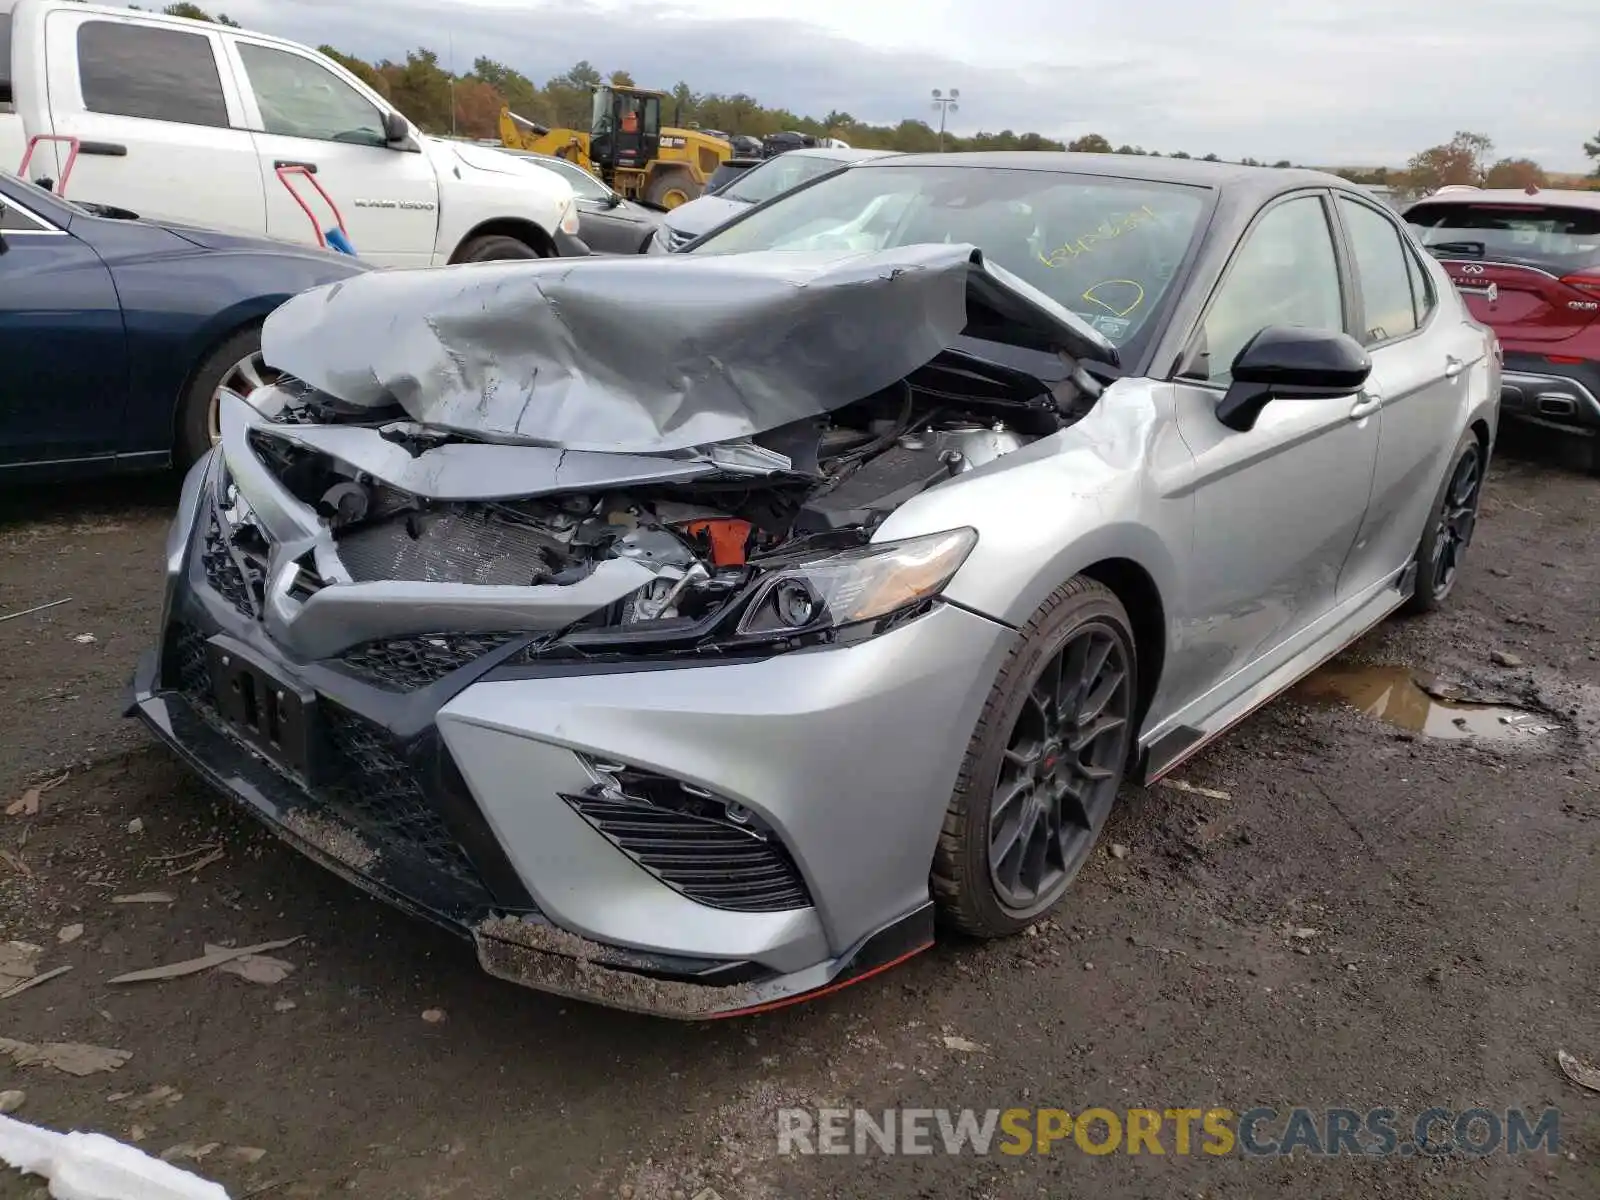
[{"x": 116, "y": 334}]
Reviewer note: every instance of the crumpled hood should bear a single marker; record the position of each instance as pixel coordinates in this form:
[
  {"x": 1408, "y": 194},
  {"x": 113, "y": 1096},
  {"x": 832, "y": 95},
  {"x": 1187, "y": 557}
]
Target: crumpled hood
[{"x": 651, "y": 354}]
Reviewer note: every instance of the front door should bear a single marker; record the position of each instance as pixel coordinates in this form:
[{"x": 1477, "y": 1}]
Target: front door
[
  {"x": 1277, "y": 507},
  {"x": 308, "y": 117},
  {"x": 65, "y": 384},
  {"x": 158, "y": 120}
]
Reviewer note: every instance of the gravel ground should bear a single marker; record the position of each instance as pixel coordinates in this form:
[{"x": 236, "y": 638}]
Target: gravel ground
[{"x": 1452, "y": 887}]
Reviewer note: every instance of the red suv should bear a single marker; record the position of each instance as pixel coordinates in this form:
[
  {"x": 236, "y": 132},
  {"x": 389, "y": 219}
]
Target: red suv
[{"x": 1528, "y": 263}]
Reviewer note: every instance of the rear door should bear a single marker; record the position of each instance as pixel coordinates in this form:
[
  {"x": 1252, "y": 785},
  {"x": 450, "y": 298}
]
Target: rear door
[
  {"x": 65, "y": 383},
  {"x": 1530, "y": 271},
  {"x": 1421, "y": 370},
  {"x": 304, "y": 114},
  {"x": 158, "y": 117}
]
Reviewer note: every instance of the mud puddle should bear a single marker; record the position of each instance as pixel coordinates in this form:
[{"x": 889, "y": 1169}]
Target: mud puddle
[{"x": 1417, "y": 702}]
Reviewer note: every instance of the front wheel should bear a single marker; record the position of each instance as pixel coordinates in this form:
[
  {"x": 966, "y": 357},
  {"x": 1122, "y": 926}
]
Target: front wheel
[
  {"x": 495, "y": 247},
  {"x": 1451, "y": 524},
  {"x": 1043, "y": 767},
  {"x": 237, "y": 366}
]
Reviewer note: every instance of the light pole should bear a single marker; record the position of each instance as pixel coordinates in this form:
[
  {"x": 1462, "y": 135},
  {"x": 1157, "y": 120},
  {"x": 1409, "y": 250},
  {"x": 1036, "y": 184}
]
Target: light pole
[{"x": 945, "y": 104}]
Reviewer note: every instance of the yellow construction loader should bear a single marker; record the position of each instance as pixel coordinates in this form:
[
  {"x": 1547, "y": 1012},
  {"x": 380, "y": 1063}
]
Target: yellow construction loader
[{"x": 626, "y": 146}]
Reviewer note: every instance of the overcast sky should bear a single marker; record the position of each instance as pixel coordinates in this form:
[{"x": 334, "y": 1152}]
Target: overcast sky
[{"x": 1332, "y": 82}]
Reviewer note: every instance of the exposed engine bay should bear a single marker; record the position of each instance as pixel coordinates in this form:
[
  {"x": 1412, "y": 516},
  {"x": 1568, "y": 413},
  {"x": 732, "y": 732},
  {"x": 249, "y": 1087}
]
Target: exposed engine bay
[
  {"x": 695, "y": 451},
  {"x": 803, "y": 490}
]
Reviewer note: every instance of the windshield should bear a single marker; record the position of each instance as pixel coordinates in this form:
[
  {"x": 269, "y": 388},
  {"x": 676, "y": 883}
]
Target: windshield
[
  {"x": 1547, "y": 236},
  {"x": 724, "y": 175},
  {"x": 1105, "y": 248},
  {"x": 584, "y": 184},
  {"x": 776, "y": 176}
]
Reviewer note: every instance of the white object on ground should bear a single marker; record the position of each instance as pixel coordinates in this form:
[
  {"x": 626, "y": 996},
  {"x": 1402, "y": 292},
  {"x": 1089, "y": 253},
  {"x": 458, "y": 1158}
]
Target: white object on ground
[{"x": 91, "y": 1166}]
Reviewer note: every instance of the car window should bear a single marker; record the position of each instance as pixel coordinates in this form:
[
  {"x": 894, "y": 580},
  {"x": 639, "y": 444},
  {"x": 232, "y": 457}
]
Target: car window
[
  {"x": 1382, "y": 263},
  {"x": 301, "y": 98},
  {"x": 1423, "y": 295},
  {"x": 777, "y": 176},
  {"x": 1556, "y": 238},
  {"x": 5, "y": 62},
  {"x": 1284, "y": 273},
  {"x": 159, "y": 74},
  {"x": 585, "y": 185},
  {"x": 12, "y": 218},
  {"x": 1105, "y": 248}
]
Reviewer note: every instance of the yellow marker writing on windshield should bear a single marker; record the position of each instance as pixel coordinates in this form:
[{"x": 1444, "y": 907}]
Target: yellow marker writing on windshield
[
  {"x": 1138, "y": 296},
  {"x": 1111, "y": 227}
]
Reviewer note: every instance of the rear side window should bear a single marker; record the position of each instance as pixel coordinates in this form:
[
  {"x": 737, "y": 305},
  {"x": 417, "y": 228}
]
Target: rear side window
[
  {"x": 158, "y": 74},
  {"x": 1552, "y": 237},
  {"x": 5, "y": 62},
  {"x": 1388, "y": 306}
]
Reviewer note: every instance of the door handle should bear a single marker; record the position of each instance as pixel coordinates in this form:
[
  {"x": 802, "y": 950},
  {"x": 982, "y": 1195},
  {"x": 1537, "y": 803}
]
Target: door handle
[
  {"x": 1453, "y": 366},
  {"x": 107, "y": 149},
  {"x": 1366, "y": 404},
  {"x": 281, "y": 163}
]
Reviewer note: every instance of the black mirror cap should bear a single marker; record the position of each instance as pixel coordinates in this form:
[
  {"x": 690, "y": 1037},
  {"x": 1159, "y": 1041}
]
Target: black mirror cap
[
  {"x": 1288, "y": 362},
  {"x": 1297, "y": 361}
]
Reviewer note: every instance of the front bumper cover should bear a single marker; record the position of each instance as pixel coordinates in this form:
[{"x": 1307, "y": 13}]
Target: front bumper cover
[{"x": 449, "y": 802}]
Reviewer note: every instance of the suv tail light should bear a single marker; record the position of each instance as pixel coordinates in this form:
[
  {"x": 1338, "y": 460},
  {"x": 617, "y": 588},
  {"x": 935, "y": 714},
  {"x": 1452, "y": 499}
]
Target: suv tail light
[{"x": 1587, "y": 282}]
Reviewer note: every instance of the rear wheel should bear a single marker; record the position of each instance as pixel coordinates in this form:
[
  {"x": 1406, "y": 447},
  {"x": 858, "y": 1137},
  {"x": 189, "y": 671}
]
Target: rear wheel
[
  {"x": 495, "y": 247},
  {"x": 1043, "y": 767},
  {"x": 237, "y": 366},
  {"x": 1444, "y": 543},
  {"x": 672, "y": 187}
]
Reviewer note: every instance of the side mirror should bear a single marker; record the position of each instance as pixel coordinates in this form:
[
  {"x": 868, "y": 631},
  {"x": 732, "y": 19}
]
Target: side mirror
[
  {"x": 613, "y": 200},
  {"x": 1286, "y": 362},
  {"x": 395, "y": 127}
]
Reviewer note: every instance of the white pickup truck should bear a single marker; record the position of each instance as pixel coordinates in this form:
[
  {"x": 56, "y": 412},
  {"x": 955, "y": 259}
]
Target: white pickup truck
[{"x": 210, "y": 125}]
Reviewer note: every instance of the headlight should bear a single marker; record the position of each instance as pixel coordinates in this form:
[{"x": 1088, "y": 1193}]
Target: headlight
[
  {"x": 856, "y": 585},
  {"x": 569, "y": 219}
]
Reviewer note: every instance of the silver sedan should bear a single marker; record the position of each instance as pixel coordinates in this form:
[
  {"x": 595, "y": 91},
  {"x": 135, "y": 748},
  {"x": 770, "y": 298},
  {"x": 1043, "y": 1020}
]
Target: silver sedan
[{"x": 695, "y": 632}]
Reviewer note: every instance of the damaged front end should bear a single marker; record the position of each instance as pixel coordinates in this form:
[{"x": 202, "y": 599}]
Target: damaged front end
[{"x": 486, "y": 475}]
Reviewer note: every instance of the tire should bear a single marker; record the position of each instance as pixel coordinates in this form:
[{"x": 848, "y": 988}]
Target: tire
[
  {"x": 196, "y": 424},
  {"x": 494, "y": 247},
  {"x": 973, "y": 894},
  {"x": 672, "y": 187},
  {"x": 1451, "y": 523}
]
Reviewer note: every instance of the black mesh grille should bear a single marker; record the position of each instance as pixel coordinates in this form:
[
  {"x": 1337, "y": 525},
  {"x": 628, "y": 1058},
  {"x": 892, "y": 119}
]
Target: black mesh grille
[
  {"x": 368, "y": 782},
  {"x": 380, "y": 793},
  {"x": 222, "y": 572},
  {"x": 414, "y": 662},
  {"x": 715, "y": 862},
  {"x": 187, "y": 664}
]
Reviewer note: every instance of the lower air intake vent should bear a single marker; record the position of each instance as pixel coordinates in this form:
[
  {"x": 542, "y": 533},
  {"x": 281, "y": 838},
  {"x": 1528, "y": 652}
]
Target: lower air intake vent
[{"x": 709, "y": 850}]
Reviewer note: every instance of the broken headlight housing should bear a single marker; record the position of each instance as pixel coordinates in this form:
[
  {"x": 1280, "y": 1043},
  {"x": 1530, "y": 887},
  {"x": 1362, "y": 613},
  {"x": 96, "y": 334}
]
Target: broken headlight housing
[{"x": 854, "y": 586}]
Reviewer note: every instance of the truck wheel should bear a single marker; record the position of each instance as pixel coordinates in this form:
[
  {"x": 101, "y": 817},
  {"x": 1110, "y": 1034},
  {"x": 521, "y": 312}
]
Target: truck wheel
[
  {"x": 1043, "y": 766},
  {"x": 672, "y": 188},
  {"x": 236, "y": 365},
  {"x": 494, "y": 246}
]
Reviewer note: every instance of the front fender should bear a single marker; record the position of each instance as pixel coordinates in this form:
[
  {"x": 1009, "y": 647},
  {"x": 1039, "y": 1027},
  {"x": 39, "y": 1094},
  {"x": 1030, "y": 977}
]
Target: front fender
[
  {"x": 1093, "y": 492},
  {"x": 176, "y": 308}
]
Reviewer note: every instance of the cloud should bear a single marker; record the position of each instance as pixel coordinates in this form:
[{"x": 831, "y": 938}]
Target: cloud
[{"x": 1357, "y": 83}]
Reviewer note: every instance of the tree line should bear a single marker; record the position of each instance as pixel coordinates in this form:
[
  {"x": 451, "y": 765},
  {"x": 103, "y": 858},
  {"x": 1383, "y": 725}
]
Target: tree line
[{"x": 469, "y": 104}]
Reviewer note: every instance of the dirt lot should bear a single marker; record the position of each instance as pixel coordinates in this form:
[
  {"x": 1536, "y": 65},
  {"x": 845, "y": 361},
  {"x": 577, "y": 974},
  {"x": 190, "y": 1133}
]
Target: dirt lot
[{"x": 1453, "y": 887}]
